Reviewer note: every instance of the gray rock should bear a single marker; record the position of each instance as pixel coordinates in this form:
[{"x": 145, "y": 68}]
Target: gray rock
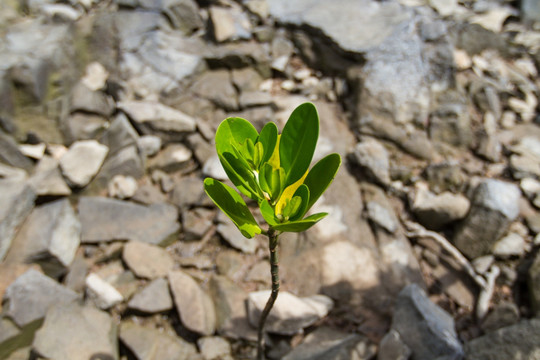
[
  {"x": 16, "y": 202},
  {"x": 76, "y": 332},
  {"x": 146, "y": 260},
  {"x": 188, "y": 191},
  {"x": 101, "y": 293},
  {"x": 229, "y": 24},
  {"x": 11, "y": 155},
  {"x": 194, "y": 306},
  {"x": 30, "y": 296},
  {"x": 329, "y": 344},
  {"x": 196, "y": 223},
  {"x": 122, "y": 187},
  {"x": 424, "y": 327},
  {"x": 217, "y": 87},
  {"x": 509, "y": 343},
  {"x": 119, "y": 135},
  {"x": 246, "y": 79},
  {"x": 503, "y": 315},
  {"x": 47, "y": 179},
  {"x": 155, "y": 224},
  {"x": 126, "y": 161},
  {"x": 149, "y": 145},
  {"x": 94, "y": 102},
  {"x": 526, "y": 159},
  {"x": 82, "y": 162},
  {"x": 450, "y": 123},
  {"x": 10, "y": 173},
  {"x": 148, "y": 343},
  {"x": 50, "y": 236},
  {"x": 392, "y": 347},
  {"x": 172, "y": 158},
  {"x": 148, "y": 195},
  {"x": 437, "y": 211},
  {"x": 290, "y": 314},
  {"x": 533, "y": 282},
  {"x": 81, "y": 126},
  {"x": 214, "y": 348},
  {"x": 382, "y": 216},
  {"x": 229, "y": 299},
  {"x": 232, "y": 235},
  {"x": 254, "y": 98},
  {"x": 373, "y": 158},
  {"x": 153, "y": 298},
  {"x": 530, "y": 10},
  {"x": 494, "y": 206},
  {"x": 153, "y": 118}
]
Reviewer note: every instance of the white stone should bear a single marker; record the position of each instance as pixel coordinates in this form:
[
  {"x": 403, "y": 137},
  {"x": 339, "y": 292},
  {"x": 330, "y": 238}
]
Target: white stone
[
  {"x": 33, "y": 151},
  {"x": 493, "y": 19},
  {"x": 530, "y": 187},
  {"x": 122, "y": 187},
  {"x": 444, "y": 7},
  {"x": 462, "y": 59},
  {"x": 82, "y": 161},
  {"x": 212, "y": 168},
  {"x": 95, "y": 77},
  {"x": 104, "y": 294},
  {"x": 510, "y": 245},
  {"x": 149, "y": 145}
]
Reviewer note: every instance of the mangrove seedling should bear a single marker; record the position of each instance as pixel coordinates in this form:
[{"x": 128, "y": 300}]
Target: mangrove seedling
[{"x": 273, "y": 170}]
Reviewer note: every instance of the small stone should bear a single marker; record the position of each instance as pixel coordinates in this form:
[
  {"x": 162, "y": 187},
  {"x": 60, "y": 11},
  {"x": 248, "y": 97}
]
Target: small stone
[
  {"x": 33, "y": 151},
  {"x": 103, "y": 294},
  {"x": 194, "y": 306},
  {"x": 196, "y": 223},
  {"x": 29, "y": 297},
  {"x": 75, "y": 332},
  {"x": 149, "y": 144},
  {"x": 47, "y": 179},
  {"x": 214, "y": 348},
  {"x": 173, "y": 158},
  {"x": 147, "y": 261},
  {"x": 122, "y": 187},
  {"x": 188, "y": 192},
  {"x": 510, "y": 245},
  {"x": 212, "y": 168},
  {"x": 382, "y": 216},
  {"x": 290, "y": 313},
  {"x": 95, "y": 76},
  {"x": 392, "y": 347},
  {"x": 372, "y": 156},
  {"x": 483, "y": 263},
  {"x": 148, "y": 195},
  {"x": 229, "y": 24},
  {"x": 502, "y": 315},
  {"x": 83, "y": 161},
  {"x": 94, "y": 102},
  {"x": 232, "y": 235},
  {"x": 153, "y": 298}
]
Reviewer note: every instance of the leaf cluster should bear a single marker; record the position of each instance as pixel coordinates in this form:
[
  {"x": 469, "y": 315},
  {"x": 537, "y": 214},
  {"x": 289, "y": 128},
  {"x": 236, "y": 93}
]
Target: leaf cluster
[{"x": 272, "y": 169}]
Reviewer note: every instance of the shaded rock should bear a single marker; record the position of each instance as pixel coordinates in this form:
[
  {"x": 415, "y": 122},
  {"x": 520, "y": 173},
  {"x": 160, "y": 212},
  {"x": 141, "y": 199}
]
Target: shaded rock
[
  {"x": 329, "y": 344},
  {"x": 11, "y": 155},
  {"x": 232, "y": 235},
  {"x": 147, "y": 343},
  {"x": 16, "y": 202},
  {"x": 509, "y": 343},
  {"x": 155, "y": 224},
  {"x": 188, "y": 191},
  {"x": 75, "y": 332},
  {"x": 50, "y": 236},
  {"x": 146, "y": 260},
  {"x": 12, "y": 173},
  {"x": 246, "y": 79},
  {"x": 122, "y": 187},
  {"x": 87, "y": 100},
  {"x": 424, "y": 327},
  {"x": 149, "y": 145},
  {"x": 290, "y": 314},
  {"x": 12, "y": 338},
  {"x": 47, "y": 179},
  {"x": 436, "y": 211},
  {"x": 382, "y": 216},
  {"x": 229, "y": 23},
  {"x": 152, "y": 118},
  {"x": 392, "y": 347},
  {"x": 153, "y": 298},
  {"x": 533, "y": 282},
  {"x": 119, "y": 135},
  {"x": 373, "y": 158},
  {"x": 126, "y": 161},
  {"x": 231, "y": 315},
  {"x": 10, "y": 272},
  {"x": 526, "y": 159},
  {"x": 214, "y": 348},
  {"x": 450, "y": 123},
  {"x": 494, "y": 206},
  {"x": 148, "y": 195},
  {"x": 194, "y": 306},
  {"x": 196, "y": 223},
  {"x": 82, "y": 162},
  {"x": 174, "y": 157},
  {"x": 30, "y": 296},
  {"x": 217, "y": 87},
  {"x": 502, "y": 315},
  {"x": 103, "y": 294}
]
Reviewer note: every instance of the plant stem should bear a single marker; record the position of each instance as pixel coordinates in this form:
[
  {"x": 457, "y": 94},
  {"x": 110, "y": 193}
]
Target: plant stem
[{"x": 274, "y": 271}]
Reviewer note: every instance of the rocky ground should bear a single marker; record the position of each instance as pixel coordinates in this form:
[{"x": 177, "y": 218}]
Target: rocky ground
[{"x": 110, "y": 249}]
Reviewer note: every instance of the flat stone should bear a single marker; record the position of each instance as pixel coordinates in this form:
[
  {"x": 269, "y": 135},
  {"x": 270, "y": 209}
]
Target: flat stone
[
  {"x": 50, "y": 236},
  {"x": 75, "y": 332},
  {"x": 119, "y": 135},
  {"x": 155, "y": 224},
  {"x": 47, "y": 179},
  {"x": 10, "y": 272},
  {"x": 172, "y": 158},
  {"x": 82, "y": 162},
  {"x": 217, "y": 87},
  {"x": 153, "y": 298},
  {"x": 290, "y": 314},
  {"x": 229, "y": 23},
  {"x": 103, "y": 294},
  {"x": 494, "y": 206},
  {"x": 196, "y": 223},
  {"x": 373, "y": 158},
  {"x": 148, "y": 195},
  {"x": 94, "y": 102},
  {"x": 382, "y": 216},
  {"x": 232, "y": 235},
  {"x": 155, "y": 118},
  {"x": 424, "y": 327},
  {"x": 509, "y": 343},
  {"x": 149, "y": 145},
  {"x": 148, "y": 343},
  {"x": 188, "y": 191},
  {"x": 146, "y": 260},
  {"x": 328, "y": 344},
  {"x": 194, "y": 306},
  {"x": 16, "y": 202},
  {"x": 12, "y": 173},
  {"x": 214, "y": 348},
  {"x": 126, "y": 161},
  {"x": 11, "y": 155},
  {"x": 29, "y": 297}
]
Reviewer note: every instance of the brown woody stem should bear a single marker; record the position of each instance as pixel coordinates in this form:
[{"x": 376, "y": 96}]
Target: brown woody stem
[{"x": 274, "y": 271}]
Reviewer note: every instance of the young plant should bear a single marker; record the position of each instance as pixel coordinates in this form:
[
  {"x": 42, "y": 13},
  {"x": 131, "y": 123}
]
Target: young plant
[{"x": 273, "y": 170}]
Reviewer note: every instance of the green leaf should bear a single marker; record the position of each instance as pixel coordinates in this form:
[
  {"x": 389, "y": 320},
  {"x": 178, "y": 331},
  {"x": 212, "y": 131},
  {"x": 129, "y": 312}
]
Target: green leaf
[
  {"x": 303, "y": 193},
  {"x": 241, "y": 176},
  {"x": 298, "y": 141},
  {"x": 271, "y": 180},
  {"x": 321, "y": 176},
  {"x": 267, "y": 212},
  {"x": 232, "y": 204},
  {"x": 299, "y": 225},
  {"x": 268, "y": 138}
]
